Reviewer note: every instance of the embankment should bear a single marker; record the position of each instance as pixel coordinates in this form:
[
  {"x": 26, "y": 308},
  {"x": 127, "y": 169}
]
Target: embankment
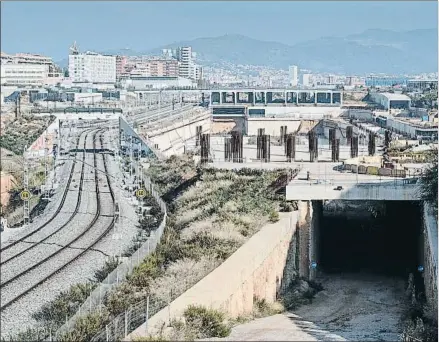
[{"x": 261, "y": 268}]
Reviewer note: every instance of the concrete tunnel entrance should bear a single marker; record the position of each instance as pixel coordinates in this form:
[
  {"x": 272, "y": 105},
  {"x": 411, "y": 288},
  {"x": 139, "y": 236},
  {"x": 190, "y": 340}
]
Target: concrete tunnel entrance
[{"x": 374, "y": 237}]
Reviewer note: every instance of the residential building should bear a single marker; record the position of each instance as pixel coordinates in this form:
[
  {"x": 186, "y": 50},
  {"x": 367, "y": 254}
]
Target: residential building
[
  {"x": 306, "y": 80},
  {"x": 91, "y": 67},
  {"x": 121, "y": 62},
  {"x": 186, "y": 62},
  {"x": 293, "y": 75}
]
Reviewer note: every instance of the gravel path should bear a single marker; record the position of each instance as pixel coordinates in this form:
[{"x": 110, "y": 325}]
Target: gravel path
[{"x": 357, "y": 307}]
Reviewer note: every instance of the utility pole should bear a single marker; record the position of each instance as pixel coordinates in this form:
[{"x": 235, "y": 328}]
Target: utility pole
[
  {"x": 131, "y": 159},
  {"x": 46, "y": 170},
  {"x": 26, "y": 211}
]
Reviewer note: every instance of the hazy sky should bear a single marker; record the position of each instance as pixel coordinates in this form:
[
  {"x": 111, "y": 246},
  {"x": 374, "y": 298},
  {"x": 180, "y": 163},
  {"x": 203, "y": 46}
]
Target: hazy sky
[{"x": 51, "y": 27}]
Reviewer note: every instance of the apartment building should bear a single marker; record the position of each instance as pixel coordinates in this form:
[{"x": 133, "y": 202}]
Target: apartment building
[
  {"x": 121, "y": 62},
  {"x": 91, "y": 67},
  {"x": 152, "y": 67}
]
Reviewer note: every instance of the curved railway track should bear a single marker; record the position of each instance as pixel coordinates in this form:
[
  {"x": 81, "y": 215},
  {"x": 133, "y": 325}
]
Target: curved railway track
[
  {"x": 58, "y": 210},
  {"x": 84, "y": 250},
  {"x": 67, "y": 223}
]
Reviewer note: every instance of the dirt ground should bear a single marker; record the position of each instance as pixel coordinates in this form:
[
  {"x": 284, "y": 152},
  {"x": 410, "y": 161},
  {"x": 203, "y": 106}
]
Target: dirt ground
[{"x": 352, "y": 307}]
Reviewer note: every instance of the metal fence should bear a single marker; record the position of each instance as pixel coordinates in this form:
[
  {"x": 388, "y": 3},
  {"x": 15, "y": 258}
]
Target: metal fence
[
  {"x": 94, "y": 301},
  {"x": 139, "y": 313}
]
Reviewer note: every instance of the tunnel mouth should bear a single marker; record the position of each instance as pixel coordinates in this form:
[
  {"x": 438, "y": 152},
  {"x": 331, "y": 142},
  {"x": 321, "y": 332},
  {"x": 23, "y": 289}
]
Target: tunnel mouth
[{"x": 387, "y": 243}]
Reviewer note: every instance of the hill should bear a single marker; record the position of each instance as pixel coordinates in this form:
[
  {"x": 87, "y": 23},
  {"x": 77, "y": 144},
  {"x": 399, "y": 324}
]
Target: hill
[{"x": 372, "y": 51}]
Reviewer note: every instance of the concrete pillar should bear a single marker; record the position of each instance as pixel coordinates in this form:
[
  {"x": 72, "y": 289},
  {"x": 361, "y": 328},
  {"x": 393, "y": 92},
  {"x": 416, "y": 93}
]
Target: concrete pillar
[
  {"x": 235, "y": 97},
  {"x": 307, "y": 232},
  {"x": 265, "y": 97},
  {"x": 221, "y": 97},
  {"x": 286, "y": 96},
  {"x": 332, "y": 98},
  {"x": 315, "y": 97},
  {"x": 297, "y": 97},
  {"x": 314, "y": 255}
]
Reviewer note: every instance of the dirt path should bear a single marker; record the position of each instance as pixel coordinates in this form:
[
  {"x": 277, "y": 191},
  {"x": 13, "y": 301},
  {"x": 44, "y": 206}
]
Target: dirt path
[{"x": 357, "y": 307}]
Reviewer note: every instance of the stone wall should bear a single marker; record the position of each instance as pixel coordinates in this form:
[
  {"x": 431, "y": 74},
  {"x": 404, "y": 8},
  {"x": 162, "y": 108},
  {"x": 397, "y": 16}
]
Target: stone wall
[
  {"x": 430, "y": 257},
  {"x": 261, "y": 268}
]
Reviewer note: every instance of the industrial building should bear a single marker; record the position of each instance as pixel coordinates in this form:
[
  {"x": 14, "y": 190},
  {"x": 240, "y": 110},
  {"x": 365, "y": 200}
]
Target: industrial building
[
  {"x": 422, "y": 84},
  {"x": 142, "y": 82},
  {"x": 391, "y": 101}
]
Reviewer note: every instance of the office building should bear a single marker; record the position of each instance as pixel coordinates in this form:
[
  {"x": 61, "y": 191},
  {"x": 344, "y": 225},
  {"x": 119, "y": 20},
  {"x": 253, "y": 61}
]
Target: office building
[{"x": 293, "y": 75}]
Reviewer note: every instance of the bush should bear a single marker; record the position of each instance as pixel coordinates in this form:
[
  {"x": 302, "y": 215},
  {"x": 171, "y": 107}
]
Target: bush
[
  {"x": 274, "y": 216},
  {"x": 86, "y": 327},
  {"x": 109, "y": 266},
  {"x": 206, "y": 322},
  {"x": 64, "y": 305}
]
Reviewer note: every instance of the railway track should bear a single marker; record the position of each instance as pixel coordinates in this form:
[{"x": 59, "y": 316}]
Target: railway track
[
  {"x": 57, "y": 211},
  {"x": 72, "y": 253},
  {"x": 4, "y": 261}
]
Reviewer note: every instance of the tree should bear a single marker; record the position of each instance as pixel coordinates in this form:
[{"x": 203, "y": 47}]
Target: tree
[{"x": 429, "y": 182}]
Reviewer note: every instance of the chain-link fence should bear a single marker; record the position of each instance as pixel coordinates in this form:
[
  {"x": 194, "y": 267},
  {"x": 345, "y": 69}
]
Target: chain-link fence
[
  {"x": 94, "y": 301},
  {"x": 179, "y": 279}
]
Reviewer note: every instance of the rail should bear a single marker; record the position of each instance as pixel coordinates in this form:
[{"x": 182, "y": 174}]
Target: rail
[
  {"x": 65, "y": 247},
  {"x": 93, "y": 302}
]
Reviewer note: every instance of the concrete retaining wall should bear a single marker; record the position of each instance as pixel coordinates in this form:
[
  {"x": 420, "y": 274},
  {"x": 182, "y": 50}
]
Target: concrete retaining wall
[
  {"x": 430, "y": 258},
  {"x": 173, "y": 139},
  {"x": 261, "y": 268}
]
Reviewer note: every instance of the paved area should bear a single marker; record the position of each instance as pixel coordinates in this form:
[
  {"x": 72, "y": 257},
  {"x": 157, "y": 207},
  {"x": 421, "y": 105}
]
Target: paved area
[{"x": 352, "y": 307}]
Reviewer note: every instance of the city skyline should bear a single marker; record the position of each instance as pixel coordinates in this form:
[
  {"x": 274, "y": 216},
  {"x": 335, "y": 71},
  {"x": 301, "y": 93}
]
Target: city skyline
[{"x": 189, "y": 21}]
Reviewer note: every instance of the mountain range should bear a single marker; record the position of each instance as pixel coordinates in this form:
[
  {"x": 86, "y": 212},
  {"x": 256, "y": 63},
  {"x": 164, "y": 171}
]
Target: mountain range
[{"x": 372, "y": 51}]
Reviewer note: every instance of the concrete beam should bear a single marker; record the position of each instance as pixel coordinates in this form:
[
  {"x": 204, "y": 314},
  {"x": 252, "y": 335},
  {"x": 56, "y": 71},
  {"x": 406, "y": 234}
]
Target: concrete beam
[{"x": 361, "y": 192}]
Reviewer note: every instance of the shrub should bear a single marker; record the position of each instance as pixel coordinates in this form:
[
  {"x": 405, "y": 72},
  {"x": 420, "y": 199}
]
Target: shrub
[
  {"x": 109, "y": 266},
  {"x": 64, "y": 305},
  {"x": 263, "y": 309},
  {"x": 206, "y": 322},
  {"x": 85, "y": 328},
  {"x": 274, "y": 216}
]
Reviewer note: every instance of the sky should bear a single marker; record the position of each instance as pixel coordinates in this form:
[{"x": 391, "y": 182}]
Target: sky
[{"x": 51, "y": 27}]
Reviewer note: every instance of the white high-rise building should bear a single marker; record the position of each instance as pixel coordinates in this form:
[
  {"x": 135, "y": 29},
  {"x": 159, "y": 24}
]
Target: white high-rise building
[
  {"x": 91, "y": 67},
  {"x": 306, "y": 80},
  {"x": 186, "y": 69},
  {"x": 293, "y": 75}
]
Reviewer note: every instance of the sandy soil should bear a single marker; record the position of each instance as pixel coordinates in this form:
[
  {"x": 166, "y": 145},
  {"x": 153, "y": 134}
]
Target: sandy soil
[{"x": 357, "y": 307}]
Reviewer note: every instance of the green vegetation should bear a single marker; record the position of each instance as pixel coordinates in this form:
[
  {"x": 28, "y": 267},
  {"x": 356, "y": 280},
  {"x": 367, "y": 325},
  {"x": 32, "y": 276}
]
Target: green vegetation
[
  {"x": 208, "y": 220},
  {"x": 23, "y": 131},
  {"x": 205, "y": 322},
  {"x": 429, "y": 184}
]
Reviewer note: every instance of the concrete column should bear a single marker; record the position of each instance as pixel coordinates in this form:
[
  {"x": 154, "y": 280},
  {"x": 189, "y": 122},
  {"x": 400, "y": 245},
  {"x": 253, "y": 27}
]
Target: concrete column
[
  {"x": 221, "y": 97},
  {"x": 235, "y": 97},
  {"x": 332, "y": 98},
  {"x": 297, "y": 97},
  {"x": 307, "y": 232},
  {"x": 315, "y": 97},
  {"x": 316, "y": 212},
  {"x": 286, "y": 97},
  {"x": 265, "y": 97}
]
